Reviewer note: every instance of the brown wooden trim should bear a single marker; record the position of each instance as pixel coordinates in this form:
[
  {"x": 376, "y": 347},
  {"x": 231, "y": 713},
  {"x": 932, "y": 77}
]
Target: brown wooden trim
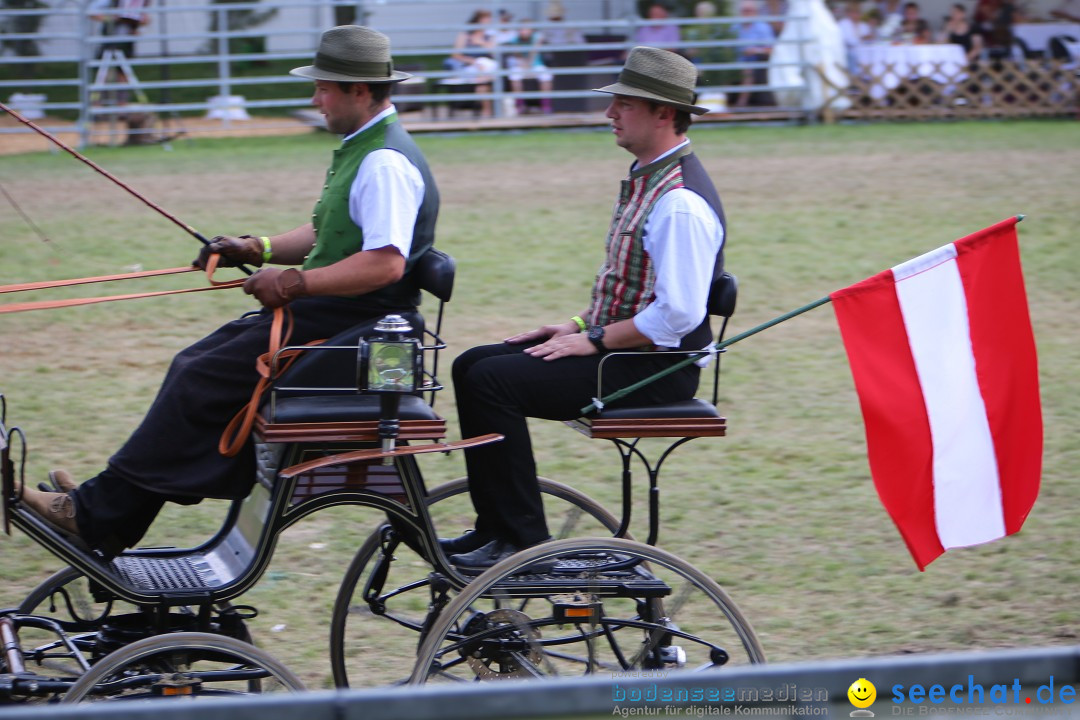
[
  {"x": 360, "y": 431},
  {"x": 658, "y": 427},
  {"x": 377, "y": 454}
]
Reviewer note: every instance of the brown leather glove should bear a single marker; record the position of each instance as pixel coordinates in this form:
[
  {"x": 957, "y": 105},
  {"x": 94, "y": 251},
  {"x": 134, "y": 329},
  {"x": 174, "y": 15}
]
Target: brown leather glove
[
  {"x": 243, "y": 250},
  {"x": 274, "y": 287}
]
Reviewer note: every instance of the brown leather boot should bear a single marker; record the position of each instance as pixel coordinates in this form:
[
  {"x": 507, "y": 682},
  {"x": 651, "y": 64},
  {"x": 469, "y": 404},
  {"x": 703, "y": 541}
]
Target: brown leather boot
[
  {"x": 62, "y": 480},
  {"x": 57, "y": 509}
]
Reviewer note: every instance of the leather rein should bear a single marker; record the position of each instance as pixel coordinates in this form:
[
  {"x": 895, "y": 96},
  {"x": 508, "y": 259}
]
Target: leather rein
[
  {"x": 211, "y": 266},
  {"x": 239, "y": 428}
]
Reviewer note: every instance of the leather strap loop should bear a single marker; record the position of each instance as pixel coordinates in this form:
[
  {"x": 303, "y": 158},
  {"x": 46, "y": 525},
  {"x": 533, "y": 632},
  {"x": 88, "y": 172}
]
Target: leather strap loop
[{"x": 239, "y": 428}]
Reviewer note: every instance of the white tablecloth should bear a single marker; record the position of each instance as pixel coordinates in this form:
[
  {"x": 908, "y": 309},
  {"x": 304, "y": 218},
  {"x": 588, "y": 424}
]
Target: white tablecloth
[
  {"x": 1036, "y": 36},
  {"x": 889, "y": 64}
]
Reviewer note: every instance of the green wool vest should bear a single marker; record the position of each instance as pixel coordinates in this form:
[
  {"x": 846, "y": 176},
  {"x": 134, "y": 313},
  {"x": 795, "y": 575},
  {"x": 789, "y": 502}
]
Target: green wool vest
[{"x": 337, "y": 236}]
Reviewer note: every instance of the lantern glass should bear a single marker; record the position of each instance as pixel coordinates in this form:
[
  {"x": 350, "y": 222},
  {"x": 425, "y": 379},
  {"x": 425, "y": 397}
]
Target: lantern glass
[{"x": 391, "y": 366}]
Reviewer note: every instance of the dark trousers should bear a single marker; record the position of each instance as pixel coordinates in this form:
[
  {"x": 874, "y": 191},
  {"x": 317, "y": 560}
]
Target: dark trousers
[
  {"x": 173, "y": 454},
  {"x": 498, "y": 386}
]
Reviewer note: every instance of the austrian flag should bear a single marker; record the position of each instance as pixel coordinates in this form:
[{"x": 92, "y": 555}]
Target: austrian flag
[{"x": 943, "y": 356}]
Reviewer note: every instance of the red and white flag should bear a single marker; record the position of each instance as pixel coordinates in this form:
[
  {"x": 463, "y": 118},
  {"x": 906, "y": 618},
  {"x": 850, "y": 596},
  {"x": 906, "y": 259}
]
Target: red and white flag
[{"x": 943, "y": 356}]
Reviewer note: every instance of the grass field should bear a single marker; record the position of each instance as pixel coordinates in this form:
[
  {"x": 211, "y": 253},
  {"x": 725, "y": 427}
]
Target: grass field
[{"x": 782, "y": 512}]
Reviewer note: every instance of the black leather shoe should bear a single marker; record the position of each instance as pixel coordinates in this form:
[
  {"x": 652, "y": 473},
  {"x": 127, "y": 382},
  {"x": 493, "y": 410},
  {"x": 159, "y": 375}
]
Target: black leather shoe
[
  {"x": 496, "y": 551},
  {"x": 471, "y": 540}
]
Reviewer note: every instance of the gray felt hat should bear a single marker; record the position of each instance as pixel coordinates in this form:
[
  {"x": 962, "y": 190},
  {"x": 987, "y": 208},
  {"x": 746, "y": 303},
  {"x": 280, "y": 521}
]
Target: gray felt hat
[
  {"x": 350, "y": 53},
  {"x": 658, "y": 75}
]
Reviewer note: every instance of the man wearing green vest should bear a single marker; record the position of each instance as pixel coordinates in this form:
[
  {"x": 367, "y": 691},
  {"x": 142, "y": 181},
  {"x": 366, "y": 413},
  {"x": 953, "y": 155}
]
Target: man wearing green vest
[
  {"x": 664, "y": 248},
  {"x": 349, "y": 265}
]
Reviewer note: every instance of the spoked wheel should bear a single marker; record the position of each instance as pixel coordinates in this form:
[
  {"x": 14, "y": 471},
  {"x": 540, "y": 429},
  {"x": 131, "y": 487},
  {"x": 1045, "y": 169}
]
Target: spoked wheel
[
  {"x": 583, "y": 606},
  {"x": 186, "y": 665},
  {"x": 66, "y": 597},
  {"x": 95, "y": 627},
  {"x": 383, "y": 600}
]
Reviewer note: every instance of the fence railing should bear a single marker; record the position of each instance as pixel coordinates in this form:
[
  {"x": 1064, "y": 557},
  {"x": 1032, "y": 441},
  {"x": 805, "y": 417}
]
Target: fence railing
[
  {"x": 1035, "y": 682},
  {"x": 940, "y": 90},
  {"x": 196, "y": 59}
]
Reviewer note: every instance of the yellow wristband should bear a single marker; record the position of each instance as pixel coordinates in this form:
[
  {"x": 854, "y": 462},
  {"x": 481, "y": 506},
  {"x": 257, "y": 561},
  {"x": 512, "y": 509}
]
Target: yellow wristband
[
  {"x": 580, "y": 323},
  {"x": 267, "y": 252}
]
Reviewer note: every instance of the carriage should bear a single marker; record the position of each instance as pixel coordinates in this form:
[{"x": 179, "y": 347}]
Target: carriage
[{"x": 347, "y": 424}]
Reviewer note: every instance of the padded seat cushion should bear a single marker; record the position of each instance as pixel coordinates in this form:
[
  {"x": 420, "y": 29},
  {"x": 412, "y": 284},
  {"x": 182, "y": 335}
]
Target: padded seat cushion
[
  {"x": 344, "y": 408},
  {"x": 695, "y": 408}
]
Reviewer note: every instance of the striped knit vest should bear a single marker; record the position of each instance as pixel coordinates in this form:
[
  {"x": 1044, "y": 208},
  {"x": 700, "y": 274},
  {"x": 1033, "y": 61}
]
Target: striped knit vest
[{"x": 624, "y": 285}]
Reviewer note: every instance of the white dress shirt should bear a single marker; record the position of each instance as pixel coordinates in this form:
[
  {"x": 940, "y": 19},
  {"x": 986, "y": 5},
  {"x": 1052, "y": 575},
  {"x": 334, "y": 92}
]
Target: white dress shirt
[{"x": 385, "y": 196}]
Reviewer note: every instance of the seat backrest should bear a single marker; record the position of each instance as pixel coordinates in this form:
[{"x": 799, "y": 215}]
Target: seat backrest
[
  {"x": 435, "y": 272},
  {"x": 723, "y": 294}
]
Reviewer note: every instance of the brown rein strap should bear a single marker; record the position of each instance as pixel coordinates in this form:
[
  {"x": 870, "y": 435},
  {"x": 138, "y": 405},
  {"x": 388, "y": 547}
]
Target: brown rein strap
[
  {"x": 239, "y": 428},
  {"x": 46, "y": 284},
  {"x": 211, "y": 266}
]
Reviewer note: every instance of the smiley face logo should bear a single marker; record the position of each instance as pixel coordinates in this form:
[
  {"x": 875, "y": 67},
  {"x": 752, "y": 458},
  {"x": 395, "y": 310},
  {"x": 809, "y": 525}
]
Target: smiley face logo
[{"x": 862, "y": 693}]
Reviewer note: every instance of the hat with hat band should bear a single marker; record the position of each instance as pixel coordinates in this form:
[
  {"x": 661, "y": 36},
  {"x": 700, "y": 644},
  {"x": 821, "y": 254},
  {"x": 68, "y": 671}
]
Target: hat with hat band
[
  {"x": 658, "y": 75},
  {"x": 351, "y": 53}
]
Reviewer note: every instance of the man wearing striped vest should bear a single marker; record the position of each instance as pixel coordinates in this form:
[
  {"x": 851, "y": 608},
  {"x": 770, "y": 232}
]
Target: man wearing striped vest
[
  {"x": 664, "y": 248},
  {"x": 351, "y": 264}
]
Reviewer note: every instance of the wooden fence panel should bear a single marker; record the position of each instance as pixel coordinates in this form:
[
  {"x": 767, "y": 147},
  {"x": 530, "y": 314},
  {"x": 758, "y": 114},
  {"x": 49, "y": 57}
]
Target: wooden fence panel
[{"x": 995, "y": 89}]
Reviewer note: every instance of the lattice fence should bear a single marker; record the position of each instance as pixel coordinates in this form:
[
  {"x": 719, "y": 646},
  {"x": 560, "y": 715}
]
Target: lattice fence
[{"x": 1003, "y": 88}]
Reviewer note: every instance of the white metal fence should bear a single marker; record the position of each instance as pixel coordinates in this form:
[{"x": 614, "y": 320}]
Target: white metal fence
[{"x": 196, "y": 57}]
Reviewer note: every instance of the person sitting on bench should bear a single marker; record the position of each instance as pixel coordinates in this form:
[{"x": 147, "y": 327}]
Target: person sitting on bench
[
  {"x": 664, "y": 248},
  {"x": 375, "y": 219}
]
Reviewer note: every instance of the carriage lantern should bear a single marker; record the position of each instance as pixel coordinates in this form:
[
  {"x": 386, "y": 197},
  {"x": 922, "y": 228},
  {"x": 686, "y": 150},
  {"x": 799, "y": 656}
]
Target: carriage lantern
[{"x": 389, "y": 365}]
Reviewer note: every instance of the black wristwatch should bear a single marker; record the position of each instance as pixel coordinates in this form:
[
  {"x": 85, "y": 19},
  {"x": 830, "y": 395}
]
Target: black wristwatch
[{"x": 596, "y": 337}]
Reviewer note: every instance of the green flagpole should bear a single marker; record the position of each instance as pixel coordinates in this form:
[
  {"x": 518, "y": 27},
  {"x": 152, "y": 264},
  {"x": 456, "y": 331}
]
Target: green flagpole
[{"x": 600, "y": 402}]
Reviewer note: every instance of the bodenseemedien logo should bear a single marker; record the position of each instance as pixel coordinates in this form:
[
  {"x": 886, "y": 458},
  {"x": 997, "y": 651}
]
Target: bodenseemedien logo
[{"x": 862, "y": 694}]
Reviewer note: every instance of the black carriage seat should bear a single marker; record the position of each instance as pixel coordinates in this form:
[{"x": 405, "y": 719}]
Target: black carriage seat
[
  {"x": 316, "y": 398},
  {"x": 687, "y": 418}
]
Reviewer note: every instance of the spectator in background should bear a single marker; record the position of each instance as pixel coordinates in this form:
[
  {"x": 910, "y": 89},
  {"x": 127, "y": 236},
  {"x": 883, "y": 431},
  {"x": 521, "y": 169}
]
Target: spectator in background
[
  {"x": 909, "y": 23},
  {"x": 891, "y": 17},
  {"x": 660, "y": 34},
  {"x": 120, "y": 19},
  {"x": 560, "y": 35},
  {"x": 923, "y": 35},
  {"x": 958, "y": 30},
  {"x": 502, "y": 32},
  {"x": 704, "y": 32},
  {"x": 756, "y": 39},
  {"x": 776, "y": 8},
  {"x": 472, "y": 56},
  {"x": 854, "y": 31},
  {"x": 873, "y": 19},
  {"x": 529, "y": 64},
  {"x": 994, "y": 20}
]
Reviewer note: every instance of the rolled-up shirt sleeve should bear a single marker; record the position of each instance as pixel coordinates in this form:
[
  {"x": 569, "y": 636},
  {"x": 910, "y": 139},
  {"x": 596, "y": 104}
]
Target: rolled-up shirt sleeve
[
  {"x": 683, "y": 236},
  {"x": 385, "y": 198}
]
